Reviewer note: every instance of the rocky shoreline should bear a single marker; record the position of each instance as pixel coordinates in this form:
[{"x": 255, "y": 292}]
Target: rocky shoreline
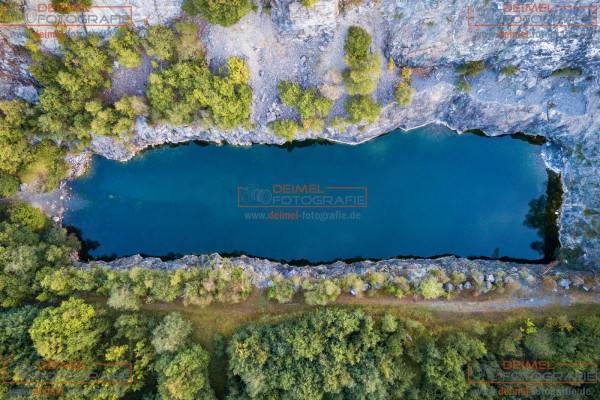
[{"x": 306, "y": 46}]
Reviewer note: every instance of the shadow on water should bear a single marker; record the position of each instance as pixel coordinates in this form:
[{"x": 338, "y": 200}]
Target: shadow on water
[{"x": 543, "y": 217}]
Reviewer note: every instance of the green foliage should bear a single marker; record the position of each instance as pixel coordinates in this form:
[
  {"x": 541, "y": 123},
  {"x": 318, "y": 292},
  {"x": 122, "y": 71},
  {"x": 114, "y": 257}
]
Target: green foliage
[
  {"x": 10, "y": 12},
  {"x": 362, "y": 108},
  {"x": 71, "y": 6},
  {"x": 471, "y": 68},
  {"x": 188, "y": 46},
  {"x": 308, "y": 3},
  {"x": 184, "y": 376},
  {"x": 463, "y": 85},
  {"x": 126, "y": 47},
  {"x": 29, "y": 244},
  {"x": 509, "y": 70},
  {"x": 324, "y": 354},
  {"x": 567, "y": 72},
  {"x": 46, "y": 167},
  {"x": 9, "y": 184},
  {"x": 123, "y": 298},
  {"x": 68, "y": 332},
  {"x": 281, "y": 290},
  {"x": 364, "y": 67},
  {"x": 312, "y": 106},
  {"x": 404, "y": 94},
  {"x": 430, "y": 288},
  {"x": 171, "y": 334},
  {"x": 324, "y": 291},
  {"x": 398, "y": 287},
  {"x": 180, "y": 93},
  {"x": 285, "y": 128},
  {"x": 160, "y": 43},
  {"x": 70, "y": 82},
  {"x": 221, "y": 12}
]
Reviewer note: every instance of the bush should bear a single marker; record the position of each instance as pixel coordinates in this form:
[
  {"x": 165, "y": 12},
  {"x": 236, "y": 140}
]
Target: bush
[
  {"x": 463, "y": 85},
  {"x": 123, "y": 298},
  {"x": 430, "y": 288},
  {"x": 282, "y": 290},
  {"x": 509, "y": 70},
  {"x": 285, "y": 128},
  {"x": 70, "y": 6},
  {"x": 308, "y": 3},
  {"x": 10, "y": 12},
  {"x": 364, "y": 67},
  {"x": 221, "y": 12},
  {"x": 67, "y": 333},
  {"x": 404, "y": 93},
  {"x": 188, "y": 46},
  {"x": 312, "y": 106},
  {"x": 184, "y": 376},
  {"x": 471, "y": 68},
  {"x": 179, "y": 94},
  {"x": 323, "y": 292},
  {"x": 46, "y": 168},
  {"x": 9, "y": 185},
  {"x": 126, "y": 47},
  {"x": 362, "y": 108},
  {"x": 171, "y": 334},
  {"x": 567, "y": 72},
  {"x": 160, "y": 43}
]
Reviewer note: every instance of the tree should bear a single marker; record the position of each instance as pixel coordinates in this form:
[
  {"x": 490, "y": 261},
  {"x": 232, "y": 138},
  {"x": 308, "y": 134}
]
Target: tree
[
  {"x": 171, "y": 334},
  {"x": 221, "y": 12},
  {"x": 323, "y": 292},
  {"x": 160, "y": 42},
  {"x": 285, "y": 128},
  {"x": 9, "y": 184},
  {"x": 362, "y": 108},
  {"x": 69, "y": 332},
  {"x": 404, "y": 93},
  {"x": 126, "y": 46},
  {"x": 364, "y": 67},
  {"x": 184, "y": 376}
]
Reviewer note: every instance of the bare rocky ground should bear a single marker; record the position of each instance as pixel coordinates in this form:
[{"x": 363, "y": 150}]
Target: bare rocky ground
[{"x": 291, "y": 42}]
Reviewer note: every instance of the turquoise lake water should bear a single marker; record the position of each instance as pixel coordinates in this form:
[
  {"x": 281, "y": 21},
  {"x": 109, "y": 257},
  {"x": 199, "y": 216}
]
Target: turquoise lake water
[{"x": 423, "y": 193}]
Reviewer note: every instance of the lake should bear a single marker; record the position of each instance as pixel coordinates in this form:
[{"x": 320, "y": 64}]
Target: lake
[{"x": 423, "y": 193}]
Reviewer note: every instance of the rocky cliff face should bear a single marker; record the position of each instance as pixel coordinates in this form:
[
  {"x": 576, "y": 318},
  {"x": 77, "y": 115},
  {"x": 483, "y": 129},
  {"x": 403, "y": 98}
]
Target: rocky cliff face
[{"x": 433, "y": 37}]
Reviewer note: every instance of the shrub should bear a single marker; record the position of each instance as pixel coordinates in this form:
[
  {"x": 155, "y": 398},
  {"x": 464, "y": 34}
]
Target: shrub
[
  {"x": 430, "y": 288},
  {"x": 69, "y": 332},
  {"x": 179, "y": 93},
  {"x": 221, "y": 12},
  {"x": 126, "y": 47},
  {"x": 123, "y": 298},
  {"x": 47, "y": 166},
  {"x": 285, "y": 128},
  {"x": 567, "y": 72},
  {"x": 9, "y": 184},
  {"x": 404, "y": 93},
  {"x": 188, "y": 46},
  {"x": 160, "y": 43},
  {"x": 282, "y": 290},
  {"x": 362, "y": 108},
  {"x": 10, "y": 12},
  {"x": 323, "y": 292},
  {"x": 308, "y": 3},
  {"x": 509, "y": 70},
  {"x": 471, "y": 68},
  {"x": 364, "y": 67},
  {"x": 312, "y": 106},
  {"x": 69, "y": 6},
  {"x": 353, "y": 284},
  {"x": 172, "y": 333},
  {"x": 463, "y": 85},
  {"x": 29, "y": 216},
  {"x": 184, "y": 376},
  {"x": 398, "y": 287}
]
